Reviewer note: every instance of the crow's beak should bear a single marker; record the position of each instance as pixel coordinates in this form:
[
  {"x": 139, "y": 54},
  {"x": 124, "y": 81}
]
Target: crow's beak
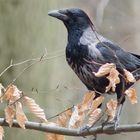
[{"x": 60, "y": 14}]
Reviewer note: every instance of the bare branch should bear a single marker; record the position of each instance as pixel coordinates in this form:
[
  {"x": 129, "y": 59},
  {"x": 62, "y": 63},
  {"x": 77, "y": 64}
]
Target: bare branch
[
  {"x": 75, "y": 132},
  {"x": 34, "y": 61},
  {"x": 60, "y": 113}
]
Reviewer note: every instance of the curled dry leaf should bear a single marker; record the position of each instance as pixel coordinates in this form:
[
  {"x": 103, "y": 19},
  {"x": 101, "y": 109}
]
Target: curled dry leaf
[
  {"x": 111, "y": 108},
  {"x": 113, "y": 79},
  {"x": 35, "y": 108},
  {"x": 87, "y": 101},
  {"x": 63, "y": 119},
  {"x": 20, "y": 116},
  {"x": 129, "y": 76},
  {"x": 74, "y": 118},
  {"x": 2, "y": 90},
  {"x": 77, "y": 118},
  {"x": 1, "y": 133},
  {"x": 10, "y": 112},
  {"x": 80, "y": 110},
  {"x": 104, "y": 69},
  {"x": 9, "y": 92},
  {"x": 88, "y": 96},
  {"x": 12, "y": 94},
  {"x": 94, "y": 117},
  {"x": 132, "y": 95},
  {"x": 68, "y": 113},
  {"x": 95, "y": 103}
]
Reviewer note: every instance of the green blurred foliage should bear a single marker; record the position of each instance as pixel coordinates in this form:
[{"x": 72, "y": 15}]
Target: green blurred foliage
[{"x": 26, "y": 31}]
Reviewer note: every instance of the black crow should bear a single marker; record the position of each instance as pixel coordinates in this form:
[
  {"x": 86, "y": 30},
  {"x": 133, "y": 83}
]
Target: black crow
[{"x": 87, "y": 50}]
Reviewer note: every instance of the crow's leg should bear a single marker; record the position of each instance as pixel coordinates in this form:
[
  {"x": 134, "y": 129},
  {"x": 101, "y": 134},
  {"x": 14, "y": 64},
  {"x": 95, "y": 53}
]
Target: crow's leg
[
  {"x": 116, "y": 118},
  {"x": 115, "y": 121},
  {"x": 120, "y": 98}
]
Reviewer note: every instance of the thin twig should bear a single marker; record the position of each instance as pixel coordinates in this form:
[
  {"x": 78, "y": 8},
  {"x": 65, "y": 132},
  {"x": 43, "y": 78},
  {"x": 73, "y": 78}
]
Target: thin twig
[
  {"x": 27, "y": 61},
  {"x": 33, "y": 63},
  {"x": 60, "y": 113}
]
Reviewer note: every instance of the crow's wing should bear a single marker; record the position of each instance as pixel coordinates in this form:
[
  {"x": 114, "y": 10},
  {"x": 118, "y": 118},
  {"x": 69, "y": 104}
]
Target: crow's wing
[
  {"x": 136, "y": 55},
  {"x": 111, "y": 53}
]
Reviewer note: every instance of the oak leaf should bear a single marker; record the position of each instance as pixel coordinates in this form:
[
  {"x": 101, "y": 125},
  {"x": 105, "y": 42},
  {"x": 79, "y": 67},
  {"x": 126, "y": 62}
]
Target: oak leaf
[
  {"x": 113, "y": 79},
  {"x": 104, "y": 69},
  {"x": 129, "y": 76}
]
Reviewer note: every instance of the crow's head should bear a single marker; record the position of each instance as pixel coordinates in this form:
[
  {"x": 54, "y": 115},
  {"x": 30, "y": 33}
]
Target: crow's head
[{"x": 73, "y": 17}]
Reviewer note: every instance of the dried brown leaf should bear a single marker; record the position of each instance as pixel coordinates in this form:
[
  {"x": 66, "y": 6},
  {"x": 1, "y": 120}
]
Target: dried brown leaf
[
  {"x": 35, "y": 108},
  {"x": 68, "y": 113},
  {"x": 87, "y": 101},
  {"x": 62, "y": 120},
  {"x": 77, "y": 118},
  {"x": 111, "y": 108},
  {"x": 95, "y": 103},
  {"x": 1, "y": 133},
  {"x": 9, "y": 92},
  {"x": 20, "y": 116},
  {"x": 12, "y": 94},
  {"x": 132, "y": 95},
  {"x": 94, "y": 117},
  {"x": 78, "y": 114},
  {"x": 2, "y": 90},
  {"x": 10, "y": 112},
  {"x": 129, "y": 76},
  {"x": 113, "y": 79},
  {"x": 104, "y": 69},
  {"x": 88, "y": 96}
]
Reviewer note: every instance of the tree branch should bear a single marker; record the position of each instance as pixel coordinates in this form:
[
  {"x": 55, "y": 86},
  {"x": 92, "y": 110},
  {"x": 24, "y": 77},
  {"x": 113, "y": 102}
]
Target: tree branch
[
  {"x": 34, "y": 61},
  {"x": 75, "y": 132}
]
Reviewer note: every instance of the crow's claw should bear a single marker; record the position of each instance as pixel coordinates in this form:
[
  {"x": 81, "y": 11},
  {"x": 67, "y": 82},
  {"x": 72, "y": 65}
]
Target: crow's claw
[
  {"x": 111, "y": 124},
  {"x": 84, "y": 129}
]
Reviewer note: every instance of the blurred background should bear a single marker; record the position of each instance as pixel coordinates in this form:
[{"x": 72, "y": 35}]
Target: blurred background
[{"x": 26, "y": 31}]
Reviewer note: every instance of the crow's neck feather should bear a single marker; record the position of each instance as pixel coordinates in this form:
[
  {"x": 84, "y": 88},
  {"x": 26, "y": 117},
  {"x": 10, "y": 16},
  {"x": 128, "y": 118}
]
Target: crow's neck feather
[{"x": 74, "y": 35}]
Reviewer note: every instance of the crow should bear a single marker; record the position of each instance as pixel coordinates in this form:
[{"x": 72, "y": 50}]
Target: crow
[{"x": 87, "y": 50}]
